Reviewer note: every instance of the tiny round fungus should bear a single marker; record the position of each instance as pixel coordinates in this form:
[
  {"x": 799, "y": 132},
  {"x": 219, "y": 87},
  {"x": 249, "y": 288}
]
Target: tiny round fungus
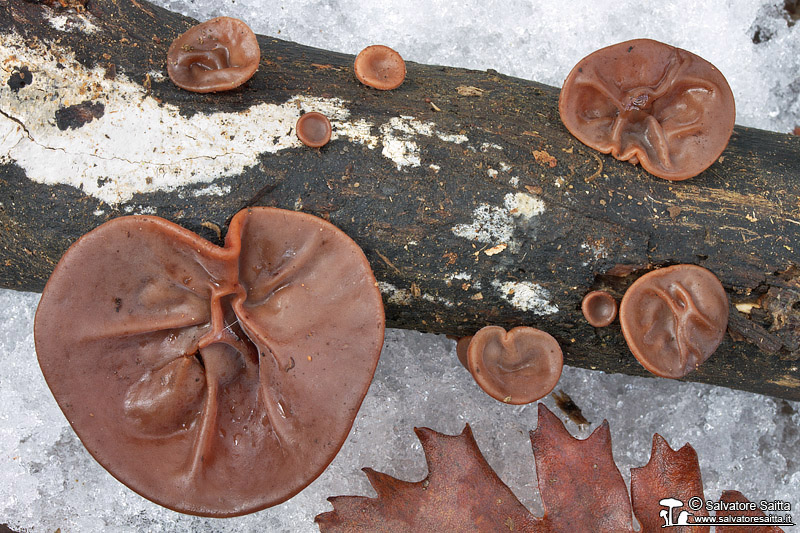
[
  {"x": 674, "y": 318},
  {"x": 313, "y": 129},
  {"x": 651, "y": 103},
  {"x": 217, "y": 55},
  {"x": 215, "y": 381},
  {"x": 599, "y": 308},
  {"x": 380, "y": 67},
  {"x": 517, "y": 367}
]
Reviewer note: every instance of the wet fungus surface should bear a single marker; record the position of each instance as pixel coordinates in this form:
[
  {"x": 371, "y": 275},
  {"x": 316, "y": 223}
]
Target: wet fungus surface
[
  {"x": 313, "y": 129},
  {"x": 213, "y": 381},
  {"x": 517, "y": 367},
  {"x": 217, "y": 55},
  {"x": 651, "y": 103},
  {"x": 380, "y": 67},
  {"x": 674, "y": 318},
  {"x": 599, "y": 308}
]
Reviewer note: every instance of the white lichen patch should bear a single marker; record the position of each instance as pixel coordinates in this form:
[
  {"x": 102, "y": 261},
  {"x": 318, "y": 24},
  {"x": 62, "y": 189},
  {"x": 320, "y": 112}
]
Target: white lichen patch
[
  {"x": 212, "y": 190},
  {"x": 398, "y": 139},
  {"x": 395, "y": 295},
  {"x": 139, "y": 210},
  {"x": 461, "y": 276},
  {"x": 596, "y": 249},
  {"x": 490, "y": 224},
  {"x": 485, "y": 147},
  {"x": 526, "y": 296},
  {"x": 70, "y": 21},
  {"x": 495, "y": 225},
  {"x": 523, "y": 205},
  {"x": 137, "y": 145}
]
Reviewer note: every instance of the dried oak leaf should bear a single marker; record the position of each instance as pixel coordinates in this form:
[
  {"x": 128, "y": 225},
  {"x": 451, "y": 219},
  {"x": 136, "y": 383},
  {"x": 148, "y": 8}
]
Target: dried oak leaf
[
  {"x": 669, "y": 473},
  {"x": 730, "y": 496},
  {"x": 580, "y": 485},
  {"x": 462, "y": 492}
]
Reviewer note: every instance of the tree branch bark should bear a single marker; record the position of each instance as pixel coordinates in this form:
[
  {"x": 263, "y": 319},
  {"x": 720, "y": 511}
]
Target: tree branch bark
[{"x": 473, "y": 203}]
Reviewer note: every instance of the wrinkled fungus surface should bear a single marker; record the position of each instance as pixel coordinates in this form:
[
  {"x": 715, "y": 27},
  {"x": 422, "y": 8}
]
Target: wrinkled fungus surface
[
  {"x": 213, "y": 381},
  {"x": 380, "y": 67},
  {"x": 217, "y": 55},
  {"x": 599, "y": 308},
  {"x": 647, "y": 102},
  {"x": 313, "y": 129},
  {"x": 519, "y": 366},
  {"x": 674, "y": 318}
]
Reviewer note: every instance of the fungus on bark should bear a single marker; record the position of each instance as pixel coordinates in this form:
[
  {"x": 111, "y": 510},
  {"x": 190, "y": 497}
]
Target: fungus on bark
[
  {"x": 380, "y": 67},
  {"x": 217, "y": 55},
  {"x": 599, "y": 308},
  {"x": 651, "y": 103},
  {"x": 213, "y": 381},
  {"x": 517, "y": 367},
  {"x": 674, "y": 318},
  {"x": 313, "y": 129}
]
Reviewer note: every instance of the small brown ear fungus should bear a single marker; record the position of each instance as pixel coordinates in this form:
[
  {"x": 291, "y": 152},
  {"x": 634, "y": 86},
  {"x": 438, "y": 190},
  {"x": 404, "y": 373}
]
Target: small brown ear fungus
[
  {"x": 651, "y": 103},
  {"x": 517, "y": 367},
  {"x": 313, "y": 129},
  {"x": 599, "y": 308},
  {"x": 674, "y": 318},
  {"x": 380, "y": 67},
  {"x": 217, "y": 55},
  {"x": 213, "y": 381}
]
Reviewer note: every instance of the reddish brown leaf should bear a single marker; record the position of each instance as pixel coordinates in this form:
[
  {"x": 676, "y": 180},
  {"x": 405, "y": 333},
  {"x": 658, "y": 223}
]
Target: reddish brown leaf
[
  {"x": 729, "y": 497},
  {"x": 668, "y": 474},
  {"x": 581, "y": 487},
  {"x": 461, "y": 493}
]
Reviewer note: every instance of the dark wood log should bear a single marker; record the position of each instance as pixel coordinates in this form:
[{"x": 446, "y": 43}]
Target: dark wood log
[{"x": 504, "y": 218}]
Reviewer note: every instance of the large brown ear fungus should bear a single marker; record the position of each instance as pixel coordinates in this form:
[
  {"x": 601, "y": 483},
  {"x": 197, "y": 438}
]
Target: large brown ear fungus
[
  {"x": 674, "y": 318},
  {"x": 380, "y": 67},
  {"x": 217, "y": 55},
  {"x": 647, "y": 102},
  {"x": 517, "y": 367},
  {"x": 213, "y": 381}
]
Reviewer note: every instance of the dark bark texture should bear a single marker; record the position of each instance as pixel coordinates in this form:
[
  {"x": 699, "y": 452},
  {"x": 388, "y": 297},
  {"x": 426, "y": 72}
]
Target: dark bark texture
[{"x": 605, "y": 222}]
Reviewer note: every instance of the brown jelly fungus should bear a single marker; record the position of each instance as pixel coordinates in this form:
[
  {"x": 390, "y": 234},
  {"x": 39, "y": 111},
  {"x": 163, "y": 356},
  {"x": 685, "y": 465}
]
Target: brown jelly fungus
[
  {"x": 215, "y": 381},
  {"x": 313, "y": 129},
  {"x": 217, "y": 55},
  {"x": 380, "y": 67},
  {"x": 599, "y": 308},
  {"x": 462, "y": 343},
  {"x": 517, "y": 367},
  {"x": 674, "y": 318},
  {"x": 651, "y": 103}
]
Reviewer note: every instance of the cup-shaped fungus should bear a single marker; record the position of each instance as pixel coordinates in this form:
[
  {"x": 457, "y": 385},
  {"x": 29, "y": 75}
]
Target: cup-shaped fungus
[
  {"x": 651, "y": 103},
  {"x": 674, "y": 318},
  {"x": 599, "y": 308},
  {"x": 313, "y": 129},
  {"x": 217, "y": 55},
  {"x": 380, "y": 67},
  {"x": 519, "y": 366},
  {"x": 462, "y": 344},
  {"x": 213, "y": 381}
]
